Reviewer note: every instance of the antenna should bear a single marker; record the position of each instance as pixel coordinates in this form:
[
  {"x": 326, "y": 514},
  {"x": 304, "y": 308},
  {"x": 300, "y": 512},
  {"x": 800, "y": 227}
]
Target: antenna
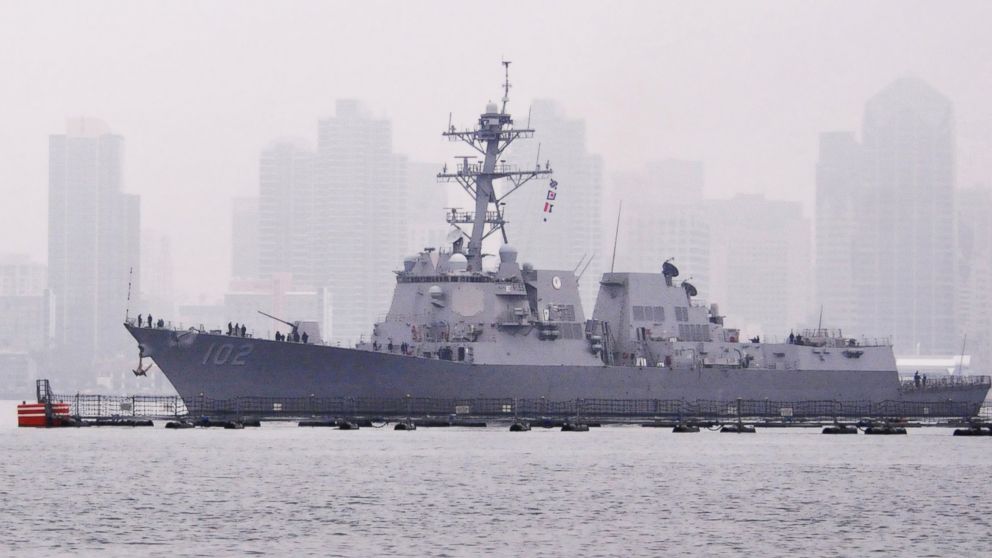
[
  {"x": 819, "y": 324},
  {"x": 615, "y": 235},
  {"x": 490, "y": 139},
  {"x": 961, "y": 361},
  {"x": 506, "y": 84},
  {"x": 579, "y": 276},
  {"x": 127, "y": 306},
  {"x": 578, "y": 265},
  {"x": 538, "y": 161},
  {"x": 529, "y": 109}
]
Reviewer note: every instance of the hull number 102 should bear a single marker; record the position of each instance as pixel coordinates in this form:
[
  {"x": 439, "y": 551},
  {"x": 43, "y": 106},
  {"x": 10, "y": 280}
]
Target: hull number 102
[{"x": 224, "y": 353}]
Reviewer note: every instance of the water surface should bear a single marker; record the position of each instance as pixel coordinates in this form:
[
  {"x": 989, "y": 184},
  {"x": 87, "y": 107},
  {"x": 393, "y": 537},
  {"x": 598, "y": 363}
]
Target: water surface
[{"x": 614, "y": 491}]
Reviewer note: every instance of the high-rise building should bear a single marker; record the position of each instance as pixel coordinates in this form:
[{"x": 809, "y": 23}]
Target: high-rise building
[
  {"x": 973, "y": 274},
  {"x": 760, "y": 263},
  {"x": 93, "y": 244},
  {"x": 840, "y": 196},
  {"x": 560, "y": 239},
  {"x": 885, "y": 232},
  {"x": 157, "y": 287},
  {"x": 244, "y": 238},
  {"x": 426, "y": 208},
  {"x": 908, "y": 219},
  {"x": 663, "y": 218},
  {"x": 286, "y": 239},
  {"x": 20, "y": 276},
  {"x": 360, "y": 203},
  {"x": 25, "y": 323}
]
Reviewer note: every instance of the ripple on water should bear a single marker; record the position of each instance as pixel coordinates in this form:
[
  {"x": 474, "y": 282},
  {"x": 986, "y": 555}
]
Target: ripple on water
[{"x": 612, "y": 492}]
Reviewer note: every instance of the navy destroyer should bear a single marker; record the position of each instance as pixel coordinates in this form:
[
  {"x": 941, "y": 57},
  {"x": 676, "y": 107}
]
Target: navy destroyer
[{"x": 457, "y": 331}]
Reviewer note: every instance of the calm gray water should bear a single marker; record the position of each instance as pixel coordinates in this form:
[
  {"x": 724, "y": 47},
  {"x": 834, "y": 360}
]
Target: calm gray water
[{"x": 615, "y": 491}]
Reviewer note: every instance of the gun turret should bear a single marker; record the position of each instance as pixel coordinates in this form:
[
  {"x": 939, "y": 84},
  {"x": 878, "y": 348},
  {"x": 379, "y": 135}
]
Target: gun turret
[{"x": 294, "y": 326}]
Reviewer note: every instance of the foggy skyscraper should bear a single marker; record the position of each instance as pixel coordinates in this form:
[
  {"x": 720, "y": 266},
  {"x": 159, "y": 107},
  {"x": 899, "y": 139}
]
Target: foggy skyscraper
[
  {"x": 909, "y": 221},
  {"x": 286, "y": 240},
  {"x": 885, "y": 221},
  {"x": 427, "y": 200},
  {"x": 93, "y": 241},
  {"x": 663, "y": 218},
  {"x": 973, "y": 273},
  {"x": 244, "y": 238},
  {"x": 840, "y": 193},
  {"x": 760, "y": 263},
  {"x": 25, "y": 322},
  {"x": 360, "y": 201},
  {"x": 157, "y": 286},
  {"x": 21, "y": 276},
  {"x": 558, "y": 240}
]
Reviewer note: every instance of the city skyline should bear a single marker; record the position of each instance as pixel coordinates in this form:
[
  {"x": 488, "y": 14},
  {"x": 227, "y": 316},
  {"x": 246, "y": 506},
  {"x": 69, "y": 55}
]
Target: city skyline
[
  {"x": 753, "y": 116},
  {"x": 870, "y": 238}
]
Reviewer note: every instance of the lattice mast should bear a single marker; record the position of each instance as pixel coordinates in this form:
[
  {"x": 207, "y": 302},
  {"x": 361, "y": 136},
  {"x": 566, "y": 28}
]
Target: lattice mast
[{"x": 494, "y": 133}]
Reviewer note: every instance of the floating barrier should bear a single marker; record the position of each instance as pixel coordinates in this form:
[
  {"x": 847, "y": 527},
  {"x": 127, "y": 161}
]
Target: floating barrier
[
  {"x": 444, "y": 423},
  {"x": 179, "y": 425},
  {"x": 405, "y": 425},
  {"x": 317, "y": 423},
  {"x": 737, "y": 428},
  {"x": 43, "y": 415},
  {"x": 885, "y": 430},
  {"x": 685, "y": 428},
  {"x": 575, "y": 427},
  {"x": 975, "y": 430},
  {"x": 206, "y": 422},
  {"x": 347, "y": 425},
  {"x": 86, "y": 410},
  {"x": 520, "y": 426},
  {"x": 120, "y": 422},
  {"x": 840, "y": 429}
]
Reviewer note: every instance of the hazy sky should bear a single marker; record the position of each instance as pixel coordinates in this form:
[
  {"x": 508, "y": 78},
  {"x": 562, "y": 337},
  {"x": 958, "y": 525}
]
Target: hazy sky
[{"x": 198, "y": 88}]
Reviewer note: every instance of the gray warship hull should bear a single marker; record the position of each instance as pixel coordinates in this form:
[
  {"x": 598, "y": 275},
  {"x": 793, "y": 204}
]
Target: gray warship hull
[
  {"x": 459, "y": 331},
  {"x": 217, "y": 366}
]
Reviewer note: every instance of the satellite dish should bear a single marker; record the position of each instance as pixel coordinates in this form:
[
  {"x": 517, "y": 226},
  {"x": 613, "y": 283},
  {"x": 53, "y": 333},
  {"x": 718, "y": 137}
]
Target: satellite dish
[
  {"x": 689, "y": 289},
  {"x": 668, "y": 269}
]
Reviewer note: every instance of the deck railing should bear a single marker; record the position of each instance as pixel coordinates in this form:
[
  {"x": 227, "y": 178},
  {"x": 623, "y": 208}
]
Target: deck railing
[{"x": 944, "y": 383}]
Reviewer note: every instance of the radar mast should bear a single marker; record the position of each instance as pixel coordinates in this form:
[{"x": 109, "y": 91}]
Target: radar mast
[{"x": 493, "y": 134}]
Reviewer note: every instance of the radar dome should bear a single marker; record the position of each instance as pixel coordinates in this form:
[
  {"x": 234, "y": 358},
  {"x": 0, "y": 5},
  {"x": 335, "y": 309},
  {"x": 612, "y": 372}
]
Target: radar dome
[
  {"x": 491, "y": 108},
  {"x": 436, "y": 292},
  {"x": 457, "y": 262},
  {"x": 507, "y": 254}
]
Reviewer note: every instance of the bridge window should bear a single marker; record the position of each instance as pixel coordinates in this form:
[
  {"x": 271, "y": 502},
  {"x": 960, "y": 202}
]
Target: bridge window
[{"x": 638, "y": 313}]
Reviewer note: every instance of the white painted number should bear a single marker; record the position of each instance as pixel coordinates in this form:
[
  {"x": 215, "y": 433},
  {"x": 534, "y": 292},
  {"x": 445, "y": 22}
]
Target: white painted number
[{"x": 223, "y": 354}]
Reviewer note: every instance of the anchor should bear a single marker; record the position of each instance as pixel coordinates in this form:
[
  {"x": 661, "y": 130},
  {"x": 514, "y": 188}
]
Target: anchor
[{"x": 140, "y": 370}]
